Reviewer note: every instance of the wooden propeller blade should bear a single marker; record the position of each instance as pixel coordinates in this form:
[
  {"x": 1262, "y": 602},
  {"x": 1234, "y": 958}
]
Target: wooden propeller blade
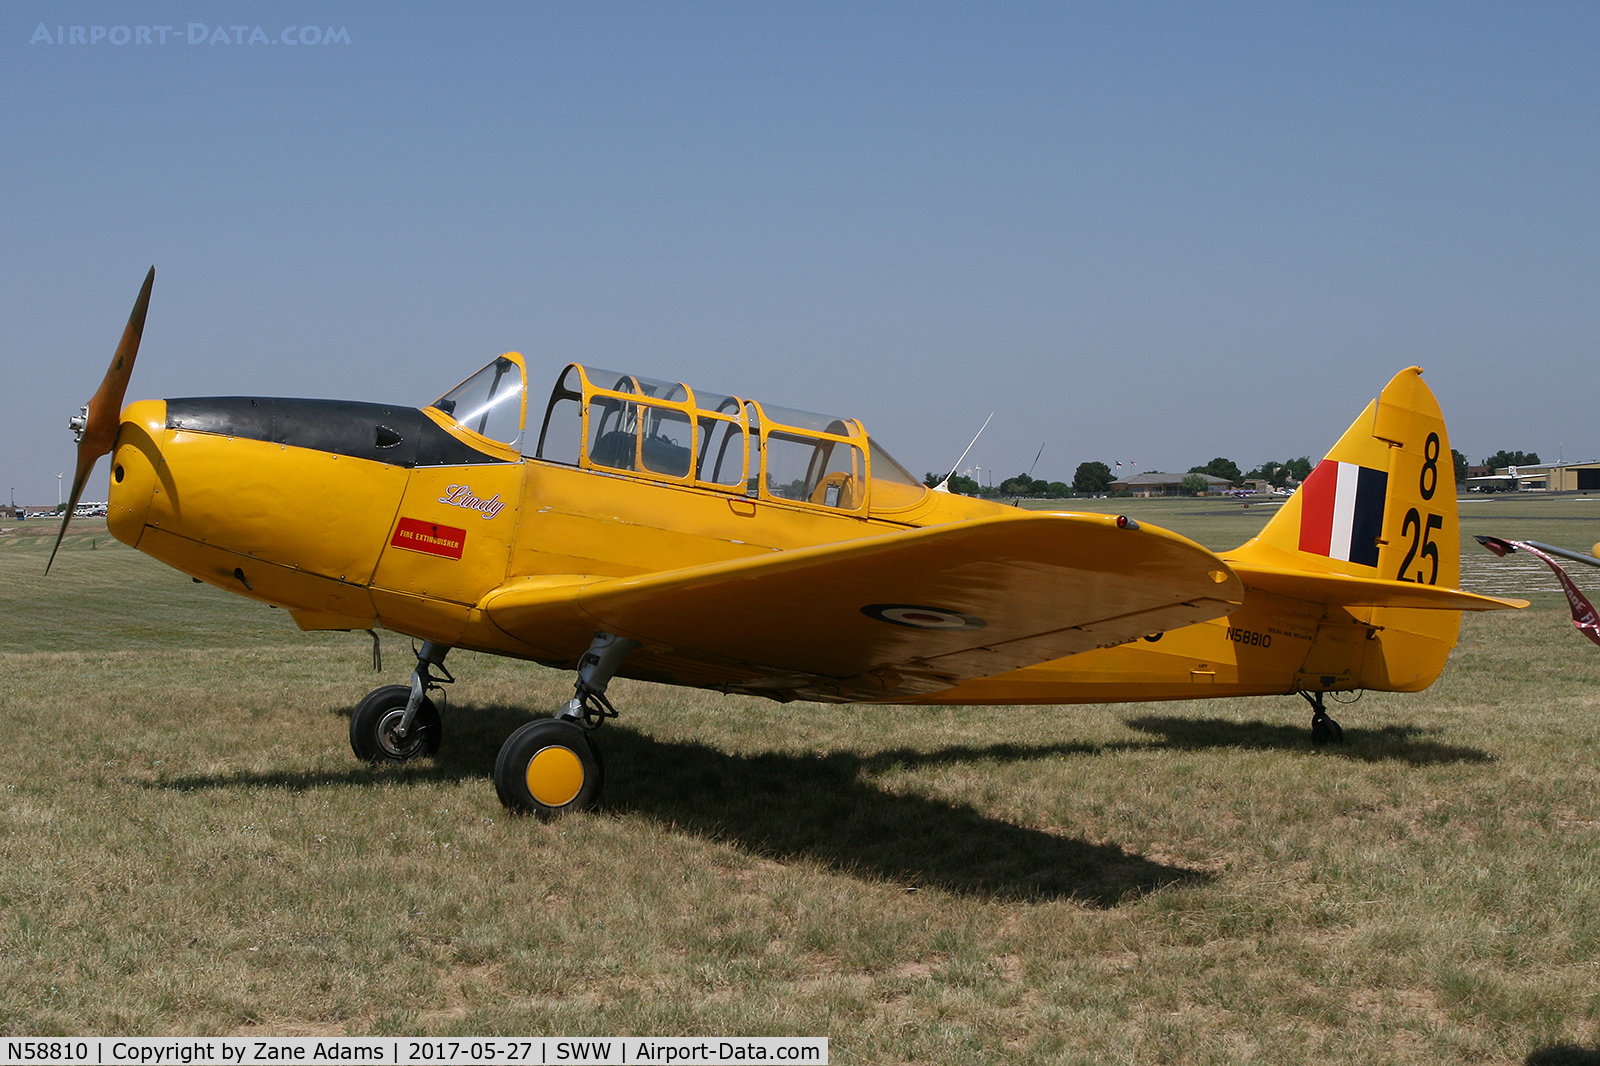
[
  {"x": 79, "y": 479},
  {"x": 105, "y": 407}
]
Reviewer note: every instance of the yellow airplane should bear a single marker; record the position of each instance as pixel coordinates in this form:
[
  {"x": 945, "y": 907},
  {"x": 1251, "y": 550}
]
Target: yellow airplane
[{"x": 622, "y": 526}]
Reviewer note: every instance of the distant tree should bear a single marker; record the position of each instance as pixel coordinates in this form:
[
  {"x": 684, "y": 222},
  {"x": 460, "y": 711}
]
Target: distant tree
[
  {"x": 1226, "y": 469},
  {"x": 1462, "y": 466},
  {"x": 1021, "y": 485},
  {"x": 1504, "y": 458},
  {"x": 1274, "y": 474},
  {"x": 1265, "y": 472},
  {"x": 1092, "y": 477},
  {"x": 960, "y": 484},
  {"x": 1058, "y": 489},
  {"x": 1282, "y": 475},
  {"x": 1279, "y": 475},
  {"x": 1193, "y": 484}
]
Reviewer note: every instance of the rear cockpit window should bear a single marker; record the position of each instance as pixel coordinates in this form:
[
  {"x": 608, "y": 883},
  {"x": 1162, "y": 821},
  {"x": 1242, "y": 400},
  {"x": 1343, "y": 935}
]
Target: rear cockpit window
[
  {"x": 721, "y": 452},
  {"x": 562, "y": 430},
  {"x": 893, "y": 486}
]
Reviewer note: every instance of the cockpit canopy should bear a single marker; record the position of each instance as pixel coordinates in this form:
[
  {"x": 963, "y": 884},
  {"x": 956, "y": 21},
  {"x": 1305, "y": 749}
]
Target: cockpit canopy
[{"x": 664, "y": 431}]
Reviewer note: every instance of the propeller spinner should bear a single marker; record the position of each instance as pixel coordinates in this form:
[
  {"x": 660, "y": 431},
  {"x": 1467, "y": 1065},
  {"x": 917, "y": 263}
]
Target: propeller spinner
[{"x": 95, "y": 424}]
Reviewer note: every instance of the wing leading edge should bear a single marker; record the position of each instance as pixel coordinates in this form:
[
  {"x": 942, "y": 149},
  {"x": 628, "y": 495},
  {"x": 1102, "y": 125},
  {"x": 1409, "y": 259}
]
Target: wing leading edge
[{"x": 894, "y": 615}]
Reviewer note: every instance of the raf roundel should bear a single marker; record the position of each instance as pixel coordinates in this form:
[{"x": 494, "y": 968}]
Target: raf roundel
[{"x": 915, "y": 617}]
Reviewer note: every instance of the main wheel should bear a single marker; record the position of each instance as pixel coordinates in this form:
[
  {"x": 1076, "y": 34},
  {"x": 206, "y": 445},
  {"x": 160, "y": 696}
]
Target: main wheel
[
  {"x": 375, "y": 719},
  {"x": 548, "y": 768},
  {"x": 1325, "y": 730}
]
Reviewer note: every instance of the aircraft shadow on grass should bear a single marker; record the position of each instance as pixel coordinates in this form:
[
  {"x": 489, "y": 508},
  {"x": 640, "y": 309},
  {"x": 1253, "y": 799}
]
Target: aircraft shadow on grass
[
  {"x": 825, "y": 807},
  {"x": 1399, "y": 743},
  {"x": 803, "y": 806},
  {"x": 1565, "y": 1055},
  {"x": 1402, "y": 743}
]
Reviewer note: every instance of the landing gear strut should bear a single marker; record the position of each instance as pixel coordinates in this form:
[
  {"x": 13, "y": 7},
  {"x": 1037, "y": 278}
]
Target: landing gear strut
[
  {"x": 398, "y": 723},
  {"x": 552, "y": 766},
  {"x": 1324, "y": 730}
]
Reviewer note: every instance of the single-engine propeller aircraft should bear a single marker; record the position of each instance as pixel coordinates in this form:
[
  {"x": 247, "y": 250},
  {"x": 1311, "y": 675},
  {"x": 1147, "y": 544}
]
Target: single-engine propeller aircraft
[{"x": 622, "y": 526}]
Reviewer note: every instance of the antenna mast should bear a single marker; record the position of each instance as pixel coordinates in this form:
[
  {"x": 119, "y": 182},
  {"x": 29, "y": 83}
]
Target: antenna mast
[{"x": 944, "y": 486}]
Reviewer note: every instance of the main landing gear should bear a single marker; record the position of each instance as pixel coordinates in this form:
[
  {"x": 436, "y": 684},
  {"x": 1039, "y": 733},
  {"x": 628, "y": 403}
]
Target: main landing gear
[
  {"x": 398, "y": 723},
  {"x": 546, "y": 768},
  {"x": 553, "y": 766},
  {"x": 1324, "y": 730}
]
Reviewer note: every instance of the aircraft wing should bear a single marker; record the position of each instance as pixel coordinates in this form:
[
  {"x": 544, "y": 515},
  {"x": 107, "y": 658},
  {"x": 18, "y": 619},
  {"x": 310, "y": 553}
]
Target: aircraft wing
[{"x": 902, "y": 613}]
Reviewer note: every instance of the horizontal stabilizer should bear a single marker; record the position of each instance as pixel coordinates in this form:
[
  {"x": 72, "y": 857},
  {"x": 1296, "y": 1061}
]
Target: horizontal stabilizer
[{"x": 1343, "y": 590}]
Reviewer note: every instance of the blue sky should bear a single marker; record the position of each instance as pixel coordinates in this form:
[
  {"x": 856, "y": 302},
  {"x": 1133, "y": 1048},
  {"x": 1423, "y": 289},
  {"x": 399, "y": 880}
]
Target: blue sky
[{"x": 1149, "y": 233}]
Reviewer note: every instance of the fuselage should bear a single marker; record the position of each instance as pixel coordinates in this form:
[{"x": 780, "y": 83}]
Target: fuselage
[{"x": 357, "y": 515}]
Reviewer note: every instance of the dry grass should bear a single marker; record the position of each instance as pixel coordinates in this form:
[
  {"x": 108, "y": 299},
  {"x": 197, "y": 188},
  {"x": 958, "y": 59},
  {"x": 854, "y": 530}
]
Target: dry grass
[{"x": 187, "y": 846}]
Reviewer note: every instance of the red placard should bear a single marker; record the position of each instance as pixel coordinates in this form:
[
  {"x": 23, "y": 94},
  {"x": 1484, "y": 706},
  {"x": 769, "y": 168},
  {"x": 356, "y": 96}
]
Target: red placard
[{"x": 430, "y": 538}]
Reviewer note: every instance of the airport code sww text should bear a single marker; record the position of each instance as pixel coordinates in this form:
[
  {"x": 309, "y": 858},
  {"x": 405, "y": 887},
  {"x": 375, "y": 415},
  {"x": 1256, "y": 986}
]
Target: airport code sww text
[{"x": 666, "y": 1051}]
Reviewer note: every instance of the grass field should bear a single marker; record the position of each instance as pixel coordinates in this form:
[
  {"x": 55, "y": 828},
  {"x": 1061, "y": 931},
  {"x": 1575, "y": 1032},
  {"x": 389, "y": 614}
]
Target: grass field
[{"x": 188, "y": 846}]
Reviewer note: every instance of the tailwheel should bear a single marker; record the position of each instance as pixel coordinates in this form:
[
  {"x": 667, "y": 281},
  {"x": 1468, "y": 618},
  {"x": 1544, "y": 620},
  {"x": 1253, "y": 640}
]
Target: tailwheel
[
  {"x": 375, "y": 734},
  {"x": 1324, "y": 730},
  {"x": 549, "y": 768}
]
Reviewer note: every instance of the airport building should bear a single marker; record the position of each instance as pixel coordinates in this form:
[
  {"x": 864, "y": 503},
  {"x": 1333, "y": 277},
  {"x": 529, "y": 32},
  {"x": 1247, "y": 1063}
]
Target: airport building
[
  {"x": 1156, "y": 483},
  {"x": 1551, "y": 477}
]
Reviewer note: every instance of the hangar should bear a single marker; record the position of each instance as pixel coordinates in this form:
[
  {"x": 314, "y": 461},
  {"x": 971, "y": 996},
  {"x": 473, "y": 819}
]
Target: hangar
[
  {"x": 1156, "y": 483},
  {"x": 1554, "y": 477}
]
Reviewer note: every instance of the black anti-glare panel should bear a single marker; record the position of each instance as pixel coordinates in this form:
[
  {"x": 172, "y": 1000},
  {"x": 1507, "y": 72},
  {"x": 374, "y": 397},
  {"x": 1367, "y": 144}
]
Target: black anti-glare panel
[{"x": 400, "y": 436}]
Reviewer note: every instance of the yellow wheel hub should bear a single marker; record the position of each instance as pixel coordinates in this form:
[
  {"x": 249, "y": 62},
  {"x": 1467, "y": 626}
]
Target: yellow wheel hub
[{"x": 555, "y": 776}]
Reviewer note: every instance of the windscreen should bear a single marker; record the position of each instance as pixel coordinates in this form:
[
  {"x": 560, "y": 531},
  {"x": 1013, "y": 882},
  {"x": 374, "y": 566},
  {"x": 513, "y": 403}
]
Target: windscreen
[{"x": 489, "y": 402}]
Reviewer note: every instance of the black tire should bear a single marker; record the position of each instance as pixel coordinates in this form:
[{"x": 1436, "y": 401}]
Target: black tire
[
  {"x": 373, "y": 721},
  {"x": 1325, "y": 730},
  {"x": 549, "y": 768}
]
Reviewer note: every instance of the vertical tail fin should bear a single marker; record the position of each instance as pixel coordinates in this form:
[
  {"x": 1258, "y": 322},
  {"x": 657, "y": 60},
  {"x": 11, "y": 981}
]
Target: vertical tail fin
[{"x": 1381, "y": 504}]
